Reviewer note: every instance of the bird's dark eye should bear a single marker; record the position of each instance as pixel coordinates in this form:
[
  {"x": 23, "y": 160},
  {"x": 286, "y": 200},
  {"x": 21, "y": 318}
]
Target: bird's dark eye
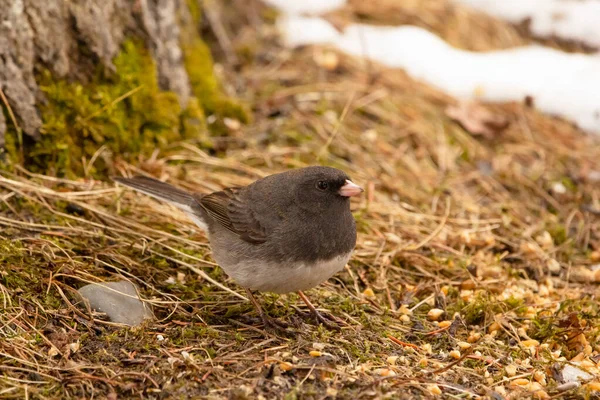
[{"x": 322, "y": 185}]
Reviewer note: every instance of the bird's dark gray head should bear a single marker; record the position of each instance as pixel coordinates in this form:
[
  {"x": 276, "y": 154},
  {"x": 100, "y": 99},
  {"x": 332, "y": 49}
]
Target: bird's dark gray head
[{"x": 322, "y": 187}]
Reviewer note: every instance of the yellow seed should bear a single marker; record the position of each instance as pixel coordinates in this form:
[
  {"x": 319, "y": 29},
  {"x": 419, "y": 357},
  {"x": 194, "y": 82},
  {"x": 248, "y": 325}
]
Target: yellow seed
[
  {"x": 369, "y": 292},
  {"x": 519, "y": 382},
  {"x": 466, "y": 295},
  {"x": 578, "y": 357},
  {"x": 556, "y": 354},
  {"x": 392, "y": 360},
  {"x": 286, "y": 366},
  {"x": 435, "y": 390},
  {"x": 540, "y": 377},
  {"x": 463, "y": 345},
  {"x": 434, "y": 314},
  {"x": 469, "y": 284},
  {"x": 315, "y": 353},
  {"x": 444, "y": 324},
  {"x": 445, "y": 290},
  {"x": 527, "y": 248},
  {"x": 587, "y": 364},
  {"x": 511, "y": 370},
  {"x": 455, "y": 354},
  {"x": 404, "y": 310},
  {"x": 232, "y": 124},
  {"x": 423, "y": 362},
  {"x": 327, "y": 60},
  {"x": 535, "y": 386},
  {"x": 595, "y": 256},
  {"x": 53, "y": 351},
  {"x": 593, "y": 386},
  {"x": 545, "y": 240},
  {"x": 427, "y": 348},
  {"x": 541, "y": 394},
  {"x": 384, "y": 372},
  {"x": 553, "y": 266},
  {"x": 494, "y": 327},
  {"x": 530, "y": 343},
  {"x": 405, "y": 319},
  {"x": 474, "y": 337}
]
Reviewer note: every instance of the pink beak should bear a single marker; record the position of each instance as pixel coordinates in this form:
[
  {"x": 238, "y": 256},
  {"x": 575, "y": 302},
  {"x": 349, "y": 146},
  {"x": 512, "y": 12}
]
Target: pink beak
[{"x": 350, "y": 189}]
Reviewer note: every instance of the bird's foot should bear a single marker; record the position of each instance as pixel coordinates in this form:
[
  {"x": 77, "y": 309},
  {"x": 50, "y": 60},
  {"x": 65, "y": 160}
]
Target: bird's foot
[
  {"x": 270, "y": 323},
  {"x": 326, "y": 319},
  {"x": 274, "y": 324}
]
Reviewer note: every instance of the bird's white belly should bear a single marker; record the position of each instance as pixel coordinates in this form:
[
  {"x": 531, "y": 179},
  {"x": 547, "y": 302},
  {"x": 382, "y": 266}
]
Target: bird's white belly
[{"x": 285, "y": 278}]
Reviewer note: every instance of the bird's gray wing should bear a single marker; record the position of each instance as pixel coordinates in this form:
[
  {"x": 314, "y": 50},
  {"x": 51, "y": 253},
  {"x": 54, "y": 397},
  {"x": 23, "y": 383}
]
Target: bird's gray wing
[{"x": 232, "y": 210}]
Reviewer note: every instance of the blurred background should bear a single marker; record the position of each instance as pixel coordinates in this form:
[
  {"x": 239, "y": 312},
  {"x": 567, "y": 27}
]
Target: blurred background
[{"x": 473, "y": 126}]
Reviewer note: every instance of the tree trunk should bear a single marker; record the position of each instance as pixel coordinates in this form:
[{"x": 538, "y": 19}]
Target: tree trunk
[{"x": 72, "y": 39}]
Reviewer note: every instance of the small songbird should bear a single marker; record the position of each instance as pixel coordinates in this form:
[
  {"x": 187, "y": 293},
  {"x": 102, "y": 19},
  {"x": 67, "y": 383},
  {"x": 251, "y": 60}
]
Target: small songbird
[{"x": 287, "y": 232}]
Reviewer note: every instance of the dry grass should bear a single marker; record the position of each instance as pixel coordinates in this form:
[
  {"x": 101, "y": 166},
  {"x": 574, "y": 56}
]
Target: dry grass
[{"x": 498, "y": 234}]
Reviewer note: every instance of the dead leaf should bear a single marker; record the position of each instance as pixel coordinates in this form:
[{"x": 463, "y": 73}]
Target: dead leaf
[{"x": 477, "y": 119}]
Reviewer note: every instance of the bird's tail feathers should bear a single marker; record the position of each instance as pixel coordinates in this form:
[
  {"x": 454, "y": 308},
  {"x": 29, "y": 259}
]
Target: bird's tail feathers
[{"x": 159, "y": 190}]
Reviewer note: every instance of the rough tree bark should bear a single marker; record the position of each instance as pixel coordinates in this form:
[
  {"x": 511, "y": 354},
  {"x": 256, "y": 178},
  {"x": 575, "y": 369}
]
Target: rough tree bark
[{"x": 71, "y": 37}]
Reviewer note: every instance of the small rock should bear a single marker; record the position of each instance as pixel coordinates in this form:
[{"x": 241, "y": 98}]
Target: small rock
[
  {"x": 571, "y": 373},
  {"x": 118, "y": 300}
]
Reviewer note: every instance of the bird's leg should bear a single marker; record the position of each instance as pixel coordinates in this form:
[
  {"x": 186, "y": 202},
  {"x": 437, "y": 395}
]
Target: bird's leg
[
  {"x": 331, "y": 323},
  {"x": 269, "y": 322}
]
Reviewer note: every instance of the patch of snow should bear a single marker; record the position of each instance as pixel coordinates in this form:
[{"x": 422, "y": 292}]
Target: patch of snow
[
  {"x": 572, "y": 20},
  {"x": 562, "y": 84}
]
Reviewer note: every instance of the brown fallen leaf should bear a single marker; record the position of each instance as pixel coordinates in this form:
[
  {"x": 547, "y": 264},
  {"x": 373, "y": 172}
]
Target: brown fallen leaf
[{"x": 477, "y": 119}]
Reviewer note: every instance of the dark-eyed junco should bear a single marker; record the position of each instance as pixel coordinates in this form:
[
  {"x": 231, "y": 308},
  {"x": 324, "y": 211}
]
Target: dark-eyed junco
[{"x": 287, "y": 232}]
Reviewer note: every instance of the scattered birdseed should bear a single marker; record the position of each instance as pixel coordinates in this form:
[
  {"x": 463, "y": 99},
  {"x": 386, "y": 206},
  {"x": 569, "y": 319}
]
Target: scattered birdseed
[
  {"x": 434, "y": 314},
  {"x": 286, "y": 366}
]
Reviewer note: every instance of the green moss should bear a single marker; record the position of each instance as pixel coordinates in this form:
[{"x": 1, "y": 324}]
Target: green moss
[
  {"x": 126, "y": 112},
  {"x": 199, "y": 65},
  {"x": 194, "y": 10},
  {"x": 12, "y": 141}
]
